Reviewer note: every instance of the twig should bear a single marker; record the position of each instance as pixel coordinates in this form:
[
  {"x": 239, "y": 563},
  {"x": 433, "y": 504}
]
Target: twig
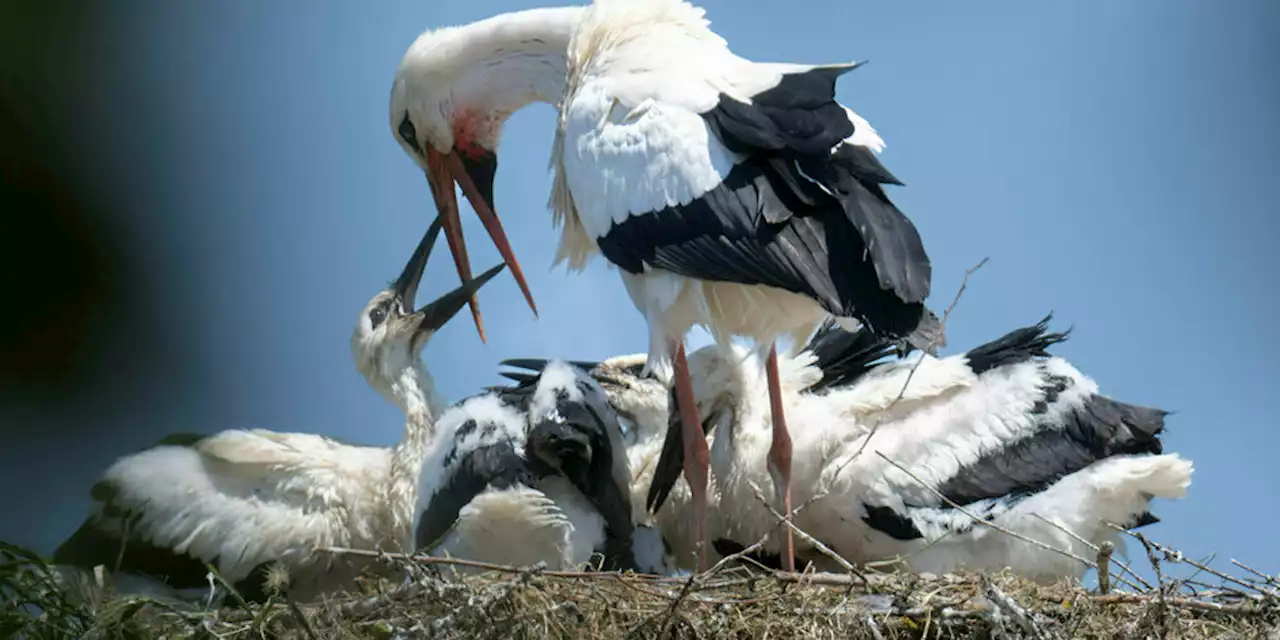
[
  {"x": 476, "y": 564},
  {"x": 1010, "y": 607},
  {"x": 675, "y": 604},
  {"x": 875, "y": 628},
  {"x": 1269, "y": 579},
  {"x": 367, "y": 606},
  {"x": 1183, "y": 603},
  {"x": 740, "y": 555},
  {"x": 302, "y": 620},
  {"x": 1104, "y": 564},
  {"x": 1176, "y": 556},
  {"x": 1248, "y": 608},
  {"x": 964, "y": 284},
  {"x": 493, "y": 595},
  {"x": 1098, "y": 551},
  {"x": 800, "y": 533},
  {"x": 1162, "y": 616},
  {"x": 951, "y": 503},
  {"x": 824, "y": 578}
]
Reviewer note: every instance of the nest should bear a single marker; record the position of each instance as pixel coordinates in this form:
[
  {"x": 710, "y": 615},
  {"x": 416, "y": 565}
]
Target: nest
[{"x": 492, "y": 601}]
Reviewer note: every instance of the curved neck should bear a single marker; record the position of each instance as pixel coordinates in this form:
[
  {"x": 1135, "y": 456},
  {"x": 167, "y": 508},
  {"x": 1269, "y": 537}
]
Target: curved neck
[
  {"x": 491, "y": 68},
  {"x": 508, "y": 80},
  {"x": 416, "y": 393}
]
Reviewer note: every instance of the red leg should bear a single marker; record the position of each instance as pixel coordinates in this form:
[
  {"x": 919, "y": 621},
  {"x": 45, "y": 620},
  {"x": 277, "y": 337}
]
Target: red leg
[
  {"x": 696, "y": 456},
  {"x": 780, "y": 454}
]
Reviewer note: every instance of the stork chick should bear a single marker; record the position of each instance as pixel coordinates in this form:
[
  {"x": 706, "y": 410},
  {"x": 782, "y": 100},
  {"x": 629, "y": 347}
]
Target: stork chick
[
  {"x": 534, "y": 473},
  {"x": 666, "y": 539},
  {"x": 1006, "y": 431},
  {"x": 243, "y": 498}
]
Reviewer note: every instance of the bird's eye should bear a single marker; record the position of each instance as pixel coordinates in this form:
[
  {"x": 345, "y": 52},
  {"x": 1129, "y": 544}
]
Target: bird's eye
[
  {"x": 409, "y": 134},
  {"x": 377, "y": 315}
]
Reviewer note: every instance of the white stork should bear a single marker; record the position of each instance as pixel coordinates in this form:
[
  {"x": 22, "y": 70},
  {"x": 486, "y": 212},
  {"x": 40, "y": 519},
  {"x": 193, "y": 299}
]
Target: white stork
[
  {"x": 1007, "y": 431},
  {"x": 242, "y": 498},
  {"x": 735, "y": 195},
  {"x": 665, "y": 540},
  {"x": 534, "y": 473}
]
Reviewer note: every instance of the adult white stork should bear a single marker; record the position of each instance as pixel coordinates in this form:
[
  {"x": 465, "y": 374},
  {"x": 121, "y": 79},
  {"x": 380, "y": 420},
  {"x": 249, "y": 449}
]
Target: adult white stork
[
  {"x": 243, "y": 498},
  {"x": 735, "y": 195},
  {"x": 534, "y": 473},
  {"x": 1007, "y": 431}
]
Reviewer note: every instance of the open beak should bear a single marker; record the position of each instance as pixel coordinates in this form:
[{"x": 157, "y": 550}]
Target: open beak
[
  {"x": 443, "y": 171},
  {"x": 434, "y": 315},
  {"x": 406, "y": 286}
]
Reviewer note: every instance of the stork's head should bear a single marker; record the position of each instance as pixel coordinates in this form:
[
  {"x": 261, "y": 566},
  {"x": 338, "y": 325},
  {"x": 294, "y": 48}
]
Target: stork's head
[
  {"x": 390, "y": 334},
  {"x": 453, "y": 91}
]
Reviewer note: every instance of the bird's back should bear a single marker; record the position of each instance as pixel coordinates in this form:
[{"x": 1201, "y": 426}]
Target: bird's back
[{"x": 236, "y": 499}]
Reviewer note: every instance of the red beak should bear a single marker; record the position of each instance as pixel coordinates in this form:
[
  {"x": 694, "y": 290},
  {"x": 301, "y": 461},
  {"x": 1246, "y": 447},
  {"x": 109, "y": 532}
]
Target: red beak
[{"x": 443, "y": 170}]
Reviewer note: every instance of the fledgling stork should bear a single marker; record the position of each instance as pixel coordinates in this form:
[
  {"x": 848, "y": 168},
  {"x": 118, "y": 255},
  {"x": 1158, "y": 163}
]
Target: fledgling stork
[
  {"x": 732, "y": 194},
  {"x": 663, "y": 541},
  {"x": 532, "y": 473},
  {"x": 1007, "y": 431},
  {"x": 243, "y": 498}
]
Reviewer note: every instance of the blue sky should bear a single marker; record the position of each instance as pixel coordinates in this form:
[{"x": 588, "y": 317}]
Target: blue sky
[{"x": 1116, "y": 160}]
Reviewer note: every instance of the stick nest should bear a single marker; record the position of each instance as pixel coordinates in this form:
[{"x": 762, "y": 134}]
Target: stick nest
[{"x": 508, "y": 602}]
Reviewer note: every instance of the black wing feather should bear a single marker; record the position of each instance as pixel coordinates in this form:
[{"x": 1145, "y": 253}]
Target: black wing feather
[
  {"x": 792, "y": 215},
  {"x": 845, "y": 356},
  {"x": 891, "y": 523},
  {"x": 1098, "y": 429},
  {"x": 773, "y": 561},
  {"x": 1019, "y": 345},
  {"x": 589, "y": 422},
  {"x": 497, "y": 465}
]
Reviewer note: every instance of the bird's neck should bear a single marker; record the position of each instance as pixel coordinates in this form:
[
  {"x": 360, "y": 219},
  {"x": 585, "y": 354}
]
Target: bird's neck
[
  {"x": 416, "y": 391},
  {"x": 508, "y": 80},
  {"x": 503, "y": 64}
]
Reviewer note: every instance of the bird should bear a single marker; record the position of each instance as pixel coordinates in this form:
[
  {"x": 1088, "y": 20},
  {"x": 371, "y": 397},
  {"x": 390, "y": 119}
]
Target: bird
[
  {"x": 242, "y": 499},
  {"x": 731, "y": 194},
  {"x": 1006, "y": 432},
  {"x": 530, "y": 473},
  {"x": 663, "y": 541}
]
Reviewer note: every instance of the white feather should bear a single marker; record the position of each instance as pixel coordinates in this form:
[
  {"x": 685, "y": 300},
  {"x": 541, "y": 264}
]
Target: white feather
[
  {"x": 562, "y": 525},
  {"x": 953, "y": 419},
  {"x": 242, "y": 498},
  {"x": 519, "y": 526}
]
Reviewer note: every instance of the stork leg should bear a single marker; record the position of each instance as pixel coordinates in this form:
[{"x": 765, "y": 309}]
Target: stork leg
[
  {"x": 697, "y": 458},
  {"x": 780, "y": 454}
]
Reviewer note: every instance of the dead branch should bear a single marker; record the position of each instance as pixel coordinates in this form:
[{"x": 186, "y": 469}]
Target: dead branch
[
  {"x": 800, "y": 533},
  {"x": 1176, "y": 556},
  {"x": 1013, "y": 610},
  {"x": 488, "y": 566},
  {"x": 1104, "y": 564}
]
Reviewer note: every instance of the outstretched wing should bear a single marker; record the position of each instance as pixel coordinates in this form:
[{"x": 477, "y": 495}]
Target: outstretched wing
[{"x": 237, "y": 500}]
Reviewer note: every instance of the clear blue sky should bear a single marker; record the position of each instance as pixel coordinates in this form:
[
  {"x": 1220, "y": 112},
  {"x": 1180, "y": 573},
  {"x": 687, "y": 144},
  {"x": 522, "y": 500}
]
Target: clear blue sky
[{"x": 1118, "y": 161}]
